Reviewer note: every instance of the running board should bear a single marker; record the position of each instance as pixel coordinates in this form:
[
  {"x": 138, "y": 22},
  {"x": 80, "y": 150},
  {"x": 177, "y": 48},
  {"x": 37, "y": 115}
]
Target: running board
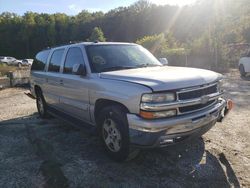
[{"x": 79, "y": 124}]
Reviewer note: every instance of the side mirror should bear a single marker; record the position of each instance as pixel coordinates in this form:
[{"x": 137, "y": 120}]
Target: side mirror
[
  {"x": 163, "y": 61},
  {"x": 79, "y": 69}
]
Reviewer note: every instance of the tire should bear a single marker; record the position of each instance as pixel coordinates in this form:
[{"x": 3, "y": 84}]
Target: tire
[
  {"x": 242, "y": 71},
  {"x": 114, "y": 133},
  {"x": 41, "y": 105}
]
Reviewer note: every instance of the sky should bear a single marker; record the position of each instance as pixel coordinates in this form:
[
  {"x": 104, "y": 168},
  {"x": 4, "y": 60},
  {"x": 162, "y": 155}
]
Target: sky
[{"x": 73, "y": 7}]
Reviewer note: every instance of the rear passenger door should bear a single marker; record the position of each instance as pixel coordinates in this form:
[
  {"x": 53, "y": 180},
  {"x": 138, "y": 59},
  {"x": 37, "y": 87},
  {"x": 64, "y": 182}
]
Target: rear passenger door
[
  {"x": 74, "y": 98},
  {"x": 54, "y": 78}
]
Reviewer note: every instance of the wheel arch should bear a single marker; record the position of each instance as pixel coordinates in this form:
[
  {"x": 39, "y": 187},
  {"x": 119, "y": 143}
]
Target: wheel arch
[{"x": 102, "y": 103}]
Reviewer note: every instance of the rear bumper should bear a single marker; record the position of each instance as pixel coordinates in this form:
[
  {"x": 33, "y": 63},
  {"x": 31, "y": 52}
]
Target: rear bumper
[{"x": 163, "y": 132}]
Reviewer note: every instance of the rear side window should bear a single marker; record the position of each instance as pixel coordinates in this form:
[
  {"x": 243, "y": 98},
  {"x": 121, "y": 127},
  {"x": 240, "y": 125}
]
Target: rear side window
[
  {"x": 40, "y": 61},
  {"x": 55, "y": 60},
  {"x": 74, "y": 56}
]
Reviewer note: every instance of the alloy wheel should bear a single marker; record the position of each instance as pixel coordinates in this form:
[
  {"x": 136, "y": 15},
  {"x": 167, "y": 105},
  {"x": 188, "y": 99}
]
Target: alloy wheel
[{"x": 111, "y": 135}]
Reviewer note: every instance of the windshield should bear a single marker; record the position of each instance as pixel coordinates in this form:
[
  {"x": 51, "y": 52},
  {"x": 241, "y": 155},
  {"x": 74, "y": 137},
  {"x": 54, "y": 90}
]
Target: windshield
[{"x": 105, "y": 58}]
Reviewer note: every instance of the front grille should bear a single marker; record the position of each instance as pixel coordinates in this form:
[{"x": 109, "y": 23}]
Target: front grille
[
  {"x": 197, "y": 93},
  {"x": 196, "y": 107}
]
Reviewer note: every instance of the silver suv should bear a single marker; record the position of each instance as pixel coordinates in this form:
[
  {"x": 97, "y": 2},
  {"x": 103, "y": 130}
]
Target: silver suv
[{"x": 127, "y": 94}]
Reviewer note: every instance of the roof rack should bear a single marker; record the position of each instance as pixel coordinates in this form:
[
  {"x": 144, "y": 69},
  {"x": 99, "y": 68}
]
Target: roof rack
[
  {"x": 70, "y": 42},
  {"x": 75, "y": 41}
]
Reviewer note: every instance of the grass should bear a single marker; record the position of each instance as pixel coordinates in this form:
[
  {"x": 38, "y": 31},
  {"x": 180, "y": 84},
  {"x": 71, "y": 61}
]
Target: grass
[{"x": 4, "y": 69}]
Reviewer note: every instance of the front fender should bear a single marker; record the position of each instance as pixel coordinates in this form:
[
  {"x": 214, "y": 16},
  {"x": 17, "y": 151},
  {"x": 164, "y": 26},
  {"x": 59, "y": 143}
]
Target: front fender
[{"x": 127, "y": 93}]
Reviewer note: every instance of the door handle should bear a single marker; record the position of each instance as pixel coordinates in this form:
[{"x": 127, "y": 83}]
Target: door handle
[{"x": 61, "y": 82}]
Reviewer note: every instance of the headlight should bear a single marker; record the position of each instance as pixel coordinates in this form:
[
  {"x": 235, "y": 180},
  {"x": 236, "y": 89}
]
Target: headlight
[{"x": 158, "y": 98}]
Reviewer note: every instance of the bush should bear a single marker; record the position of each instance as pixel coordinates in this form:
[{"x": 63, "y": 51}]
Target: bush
[
  {"x": 153, "y": 43},
  {"x": 164, "y": 46},
  {"x": 97, "y": 35},
  {"x": 4, "y": 69},
  {"x": 176, "y": 57}
]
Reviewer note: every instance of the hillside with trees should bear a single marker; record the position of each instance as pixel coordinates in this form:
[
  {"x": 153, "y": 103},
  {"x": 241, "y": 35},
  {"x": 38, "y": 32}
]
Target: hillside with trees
[{"x": 205, "y": 32}]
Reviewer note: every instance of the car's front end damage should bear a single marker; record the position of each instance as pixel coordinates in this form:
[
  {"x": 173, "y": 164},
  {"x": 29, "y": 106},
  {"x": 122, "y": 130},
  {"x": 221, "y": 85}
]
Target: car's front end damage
[{"x": 167, "y": 119}]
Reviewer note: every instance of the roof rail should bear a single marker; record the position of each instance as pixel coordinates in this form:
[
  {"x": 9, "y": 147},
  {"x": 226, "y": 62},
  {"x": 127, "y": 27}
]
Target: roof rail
[
  {"x": 70, "y": 42},
  {"x": 75, "y": 41}
]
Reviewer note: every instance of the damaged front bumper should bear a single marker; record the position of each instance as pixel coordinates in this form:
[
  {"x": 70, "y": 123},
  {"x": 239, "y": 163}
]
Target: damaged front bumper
[{"x": 163, "y": 132}]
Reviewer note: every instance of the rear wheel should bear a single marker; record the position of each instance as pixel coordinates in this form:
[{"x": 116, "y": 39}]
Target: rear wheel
[
  {"x": 41, "y": 105},
  {"x": 114, "y": 133},
  {"x": 242, "y": 70}
]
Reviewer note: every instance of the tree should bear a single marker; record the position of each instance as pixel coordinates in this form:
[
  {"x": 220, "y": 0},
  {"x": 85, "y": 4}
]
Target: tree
[
  {"x": 153, "y": 43},
  {"x": 97, "y": 35},
  {"x": 205, "y": 28},
  {"x": 159, "y": 44}
]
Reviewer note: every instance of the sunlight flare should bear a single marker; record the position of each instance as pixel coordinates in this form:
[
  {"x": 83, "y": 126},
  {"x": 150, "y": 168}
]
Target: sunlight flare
[{"x": 173, "y": 2}]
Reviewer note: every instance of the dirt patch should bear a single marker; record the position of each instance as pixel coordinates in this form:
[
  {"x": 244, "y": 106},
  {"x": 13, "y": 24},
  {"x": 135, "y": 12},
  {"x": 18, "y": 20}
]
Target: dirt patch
[{"x": 50, "y": 153}]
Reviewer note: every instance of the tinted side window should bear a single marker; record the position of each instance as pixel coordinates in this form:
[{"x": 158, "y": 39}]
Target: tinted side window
[
  {"x": 55, "y": 60},
  {"x": 74, "y": 56},
  {"x": 40, "y": 61}
]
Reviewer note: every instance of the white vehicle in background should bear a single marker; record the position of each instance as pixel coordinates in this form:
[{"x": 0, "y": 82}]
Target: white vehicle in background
[
  {"x": 27, "y": 62},
  {"x": 7, "y": 60},
  {"x": 244, "y": 64},
  {"x": 23, "y": 62},
  {"x": 15, "y": 62}
]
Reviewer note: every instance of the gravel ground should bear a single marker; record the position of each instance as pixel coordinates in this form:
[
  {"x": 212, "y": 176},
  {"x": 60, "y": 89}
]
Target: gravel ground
[{"x": 51, "y": 153}]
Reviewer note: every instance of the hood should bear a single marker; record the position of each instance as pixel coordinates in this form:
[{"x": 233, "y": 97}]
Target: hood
[{"x": 164, "y": 78}]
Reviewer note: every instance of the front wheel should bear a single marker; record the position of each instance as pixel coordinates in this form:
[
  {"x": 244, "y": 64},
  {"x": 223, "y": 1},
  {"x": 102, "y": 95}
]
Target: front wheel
[
  {"x": 114, "y": 132},
  {"x": 242, "y": 70}
]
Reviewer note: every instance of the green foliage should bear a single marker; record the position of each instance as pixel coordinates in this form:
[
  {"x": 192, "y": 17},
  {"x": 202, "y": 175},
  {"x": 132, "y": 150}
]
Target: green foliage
[
  {"x": 165, "y": 46},
  {"x": 160, "y": 45},
  {"x": 166, "y": 52},
  {"x": 4, "y": 69},
  {"x": 207, "y": 28},
  {"x": 201, "y": 45},
  {"x": 153, "y": 43},
  {"x": 97, "y": 35}
]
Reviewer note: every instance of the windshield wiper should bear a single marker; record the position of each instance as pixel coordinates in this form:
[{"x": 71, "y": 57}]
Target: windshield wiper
[{"x": 117, "y": 68}]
